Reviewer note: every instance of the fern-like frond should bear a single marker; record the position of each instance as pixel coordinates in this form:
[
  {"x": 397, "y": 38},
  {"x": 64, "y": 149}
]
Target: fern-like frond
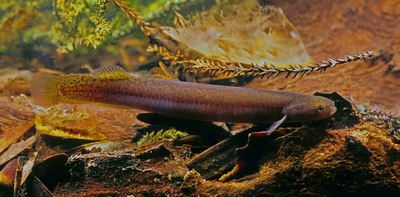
[
  {"x": 133, "y": 14},
  {"x": 151, "y": 137},
  {"x": 268, "y": 70}
]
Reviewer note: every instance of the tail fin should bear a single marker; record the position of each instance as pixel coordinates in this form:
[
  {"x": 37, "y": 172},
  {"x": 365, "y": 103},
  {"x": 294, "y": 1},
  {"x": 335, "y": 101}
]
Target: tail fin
[{"x": 44, "y": 89}]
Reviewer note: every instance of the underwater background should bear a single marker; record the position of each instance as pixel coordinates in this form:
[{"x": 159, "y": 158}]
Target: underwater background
[{"x": 346, "y": 51}]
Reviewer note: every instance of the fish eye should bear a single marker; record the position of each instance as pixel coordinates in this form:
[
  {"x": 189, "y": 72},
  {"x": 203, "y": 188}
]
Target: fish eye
[{"x": 320, "y": 108}]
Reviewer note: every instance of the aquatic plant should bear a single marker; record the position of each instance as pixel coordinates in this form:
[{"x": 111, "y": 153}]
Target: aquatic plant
[
  {"x": 244, "y": 39},
  {"x": 91, "y": 23},
  {"x": 75, "y": 23},
  {"x": 264, "y": 41},
  {"x": 69, "y": 24},
  {"x": 151, "y": 137},
  {"x": 270, "y": 70},
  {"x": 391, "y": 121}
]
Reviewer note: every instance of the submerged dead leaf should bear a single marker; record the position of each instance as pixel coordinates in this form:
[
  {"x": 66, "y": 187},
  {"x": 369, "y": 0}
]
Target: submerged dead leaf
[
  {"x": 8, "y": 137},
  {"x": 71, "y": 124},
  {"x": 52, "y": 170},
  {"x": 245, "y": 35},
  {"x": 15, "y": 149},
  {"x": 246, "y": 39},
  {"x": 7, "y": 175},
  {"x": 28, "y": 166}
]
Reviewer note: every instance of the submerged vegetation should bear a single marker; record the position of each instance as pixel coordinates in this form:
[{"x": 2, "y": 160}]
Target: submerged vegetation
[
  {"x": 69, "y": 25},
  {"x": 235, "y": 38},
  {"x": 153, "y": 136},
  {"x": 180, "y": 40},
  {"x": 243, "y": 39}
]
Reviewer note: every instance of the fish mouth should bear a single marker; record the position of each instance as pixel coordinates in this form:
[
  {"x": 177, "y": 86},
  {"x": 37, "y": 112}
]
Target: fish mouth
[{"x": 334, "y": 109}]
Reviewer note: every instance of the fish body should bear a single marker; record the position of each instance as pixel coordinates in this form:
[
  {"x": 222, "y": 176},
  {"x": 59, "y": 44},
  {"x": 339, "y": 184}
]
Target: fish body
[{"x": 181, "y": 99}]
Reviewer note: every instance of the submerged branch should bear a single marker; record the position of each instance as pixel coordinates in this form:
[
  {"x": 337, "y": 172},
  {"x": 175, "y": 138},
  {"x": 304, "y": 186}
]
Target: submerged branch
[
  {"x": 270, "y": 70},
  {"x": 133, "y": 14}
]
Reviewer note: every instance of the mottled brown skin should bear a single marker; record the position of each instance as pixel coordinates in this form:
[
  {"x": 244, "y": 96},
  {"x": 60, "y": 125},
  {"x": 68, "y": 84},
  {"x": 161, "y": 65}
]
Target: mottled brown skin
[{"x": 189, "y": 100}]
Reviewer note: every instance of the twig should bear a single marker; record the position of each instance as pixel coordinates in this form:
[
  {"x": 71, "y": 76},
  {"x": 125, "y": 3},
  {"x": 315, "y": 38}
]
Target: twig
[
  {"x": 270, "y": 70},
  {"x": 133, "y": 14}
]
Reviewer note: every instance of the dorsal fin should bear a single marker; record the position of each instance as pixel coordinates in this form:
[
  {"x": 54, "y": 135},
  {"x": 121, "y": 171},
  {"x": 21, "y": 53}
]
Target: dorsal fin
[{"x": 111, "y": 73}]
